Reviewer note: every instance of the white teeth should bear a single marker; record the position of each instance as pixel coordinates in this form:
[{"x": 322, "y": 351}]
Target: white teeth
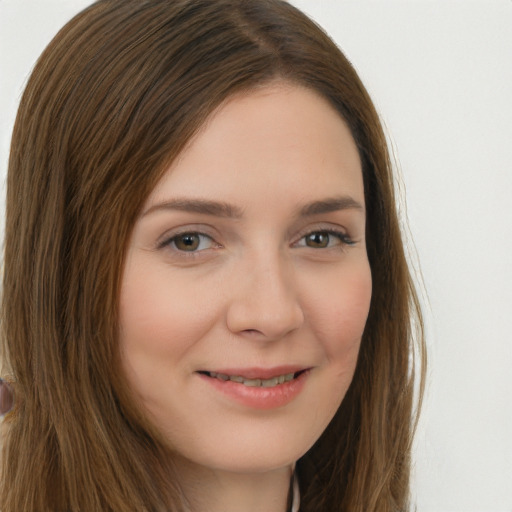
[{"x": 265, "y": 383}]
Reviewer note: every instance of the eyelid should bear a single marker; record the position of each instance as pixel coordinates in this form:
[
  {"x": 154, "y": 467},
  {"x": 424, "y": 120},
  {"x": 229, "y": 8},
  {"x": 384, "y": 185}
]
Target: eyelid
[
  {"x": 339, "y": 232},
  {"x": 166, "y": 240}
]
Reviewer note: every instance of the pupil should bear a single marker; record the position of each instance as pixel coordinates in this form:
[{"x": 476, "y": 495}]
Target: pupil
[
  {"x": 318, "y": 239},
  {"x": 188, "y": 242}
]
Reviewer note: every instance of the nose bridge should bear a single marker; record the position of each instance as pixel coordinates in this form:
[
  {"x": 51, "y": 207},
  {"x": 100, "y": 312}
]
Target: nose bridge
[{"x": 266, "y": 299}]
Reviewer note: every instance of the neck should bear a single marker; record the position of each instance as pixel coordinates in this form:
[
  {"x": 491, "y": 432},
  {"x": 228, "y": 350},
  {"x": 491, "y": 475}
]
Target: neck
[{"x": 222, "y": 491}]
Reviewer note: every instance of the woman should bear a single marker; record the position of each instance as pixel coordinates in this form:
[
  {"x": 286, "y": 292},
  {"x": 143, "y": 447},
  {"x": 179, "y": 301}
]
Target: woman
[{"x": 205, "y": 290}]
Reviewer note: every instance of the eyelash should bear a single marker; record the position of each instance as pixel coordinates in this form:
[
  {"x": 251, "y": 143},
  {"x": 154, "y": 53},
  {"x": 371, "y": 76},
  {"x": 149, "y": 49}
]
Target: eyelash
[
  {"x": 344, "y": 240},
  {"x": 171, "y": 242}
]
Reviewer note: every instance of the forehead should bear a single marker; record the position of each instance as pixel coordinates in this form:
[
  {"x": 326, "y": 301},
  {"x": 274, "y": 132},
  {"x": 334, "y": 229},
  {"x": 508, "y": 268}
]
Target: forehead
[{"x": 275, "y": 139}]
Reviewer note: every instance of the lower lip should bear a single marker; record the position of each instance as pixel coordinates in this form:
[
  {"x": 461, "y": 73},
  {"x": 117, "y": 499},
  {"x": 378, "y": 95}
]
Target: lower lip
[{"x": 258, "y": 397}]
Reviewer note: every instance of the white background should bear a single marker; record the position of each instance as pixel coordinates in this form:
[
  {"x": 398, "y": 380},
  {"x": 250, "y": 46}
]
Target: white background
[{"x": 440, "y": 73}]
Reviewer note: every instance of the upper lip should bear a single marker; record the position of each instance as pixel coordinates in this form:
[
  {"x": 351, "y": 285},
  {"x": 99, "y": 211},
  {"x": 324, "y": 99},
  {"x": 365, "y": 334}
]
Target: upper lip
[{"x": 260, "y": 373}]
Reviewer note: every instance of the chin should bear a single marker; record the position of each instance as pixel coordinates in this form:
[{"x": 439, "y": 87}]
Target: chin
[{"x": 258, "y": 448}]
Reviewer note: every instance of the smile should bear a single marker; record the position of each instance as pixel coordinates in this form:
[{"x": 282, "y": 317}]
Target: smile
[
  {"x": 258, "y": 388},
  {"x": 264, "y": 383}
]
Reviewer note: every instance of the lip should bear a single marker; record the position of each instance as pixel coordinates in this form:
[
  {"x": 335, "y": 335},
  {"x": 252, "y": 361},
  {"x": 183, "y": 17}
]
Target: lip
[{"x": 262, "y": 398}]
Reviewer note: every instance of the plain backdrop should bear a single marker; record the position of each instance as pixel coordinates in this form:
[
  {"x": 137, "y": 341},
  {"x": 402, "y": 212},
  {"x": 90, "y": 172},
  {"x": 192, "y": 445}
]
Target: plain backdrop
[{"x": 440, "y": 73}]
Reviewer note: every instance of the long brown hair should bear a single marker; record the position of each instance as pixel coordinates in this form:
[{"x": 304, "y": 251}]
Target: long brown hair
[{"x": 111, "y": 102}]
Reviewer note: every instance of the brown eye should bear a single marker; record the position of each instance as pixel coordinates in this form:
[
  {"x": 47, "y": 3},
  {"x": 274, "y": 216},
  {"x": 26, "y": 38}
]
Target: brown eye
[
  {"x": 187, "y": 241},
  {"x": 318, "y": 240},
  {"x": 190, "y": 243},
  {"x": 325, "y": 240}
]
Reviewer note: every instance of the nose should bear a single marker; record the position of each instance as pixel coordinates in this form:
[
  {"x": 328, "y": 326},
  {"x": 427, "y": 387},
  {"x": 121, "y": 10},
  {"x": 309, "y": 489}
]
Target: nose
[{"x": 265, "y": 304}]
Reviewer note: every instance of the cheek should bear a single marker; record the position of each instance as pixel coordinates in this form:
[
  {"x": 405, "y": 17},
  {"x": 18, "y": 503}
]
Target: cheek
[
  {"x": 160, "y": 323},
  {"x": 337, "y": 317},
  {"x": 340, "y": 315}
]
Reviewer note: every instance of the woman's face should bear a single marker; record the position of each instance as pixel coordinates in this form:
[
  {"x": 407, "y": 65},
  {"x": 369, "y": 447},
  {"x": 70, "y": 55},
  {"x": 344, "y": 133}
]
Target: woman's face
[{"x": 247, "y": 284}]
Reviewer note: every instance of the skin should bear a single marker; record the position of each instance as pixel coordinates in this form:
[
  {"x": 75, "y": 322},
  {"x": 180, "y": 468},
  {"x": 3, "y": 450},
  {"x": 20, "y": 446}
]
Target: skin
[{"x": 261, "y": 287}]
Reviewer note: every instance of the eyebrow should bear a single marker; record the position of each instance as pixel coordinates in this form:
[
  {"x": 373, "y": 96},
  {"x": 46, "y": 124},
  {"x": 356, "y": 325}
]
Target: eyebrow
[
  {"x": 222, "y": 209},
  {"x": 332, "y": 204},
  {"x": 206, "y": 207}
]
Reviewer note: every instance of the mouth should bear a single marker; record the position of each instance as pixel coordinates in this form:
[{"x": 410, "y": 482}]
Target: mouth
[
  {"x": 258, "y": 388},
  {"x": 255, "y": 382}
]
